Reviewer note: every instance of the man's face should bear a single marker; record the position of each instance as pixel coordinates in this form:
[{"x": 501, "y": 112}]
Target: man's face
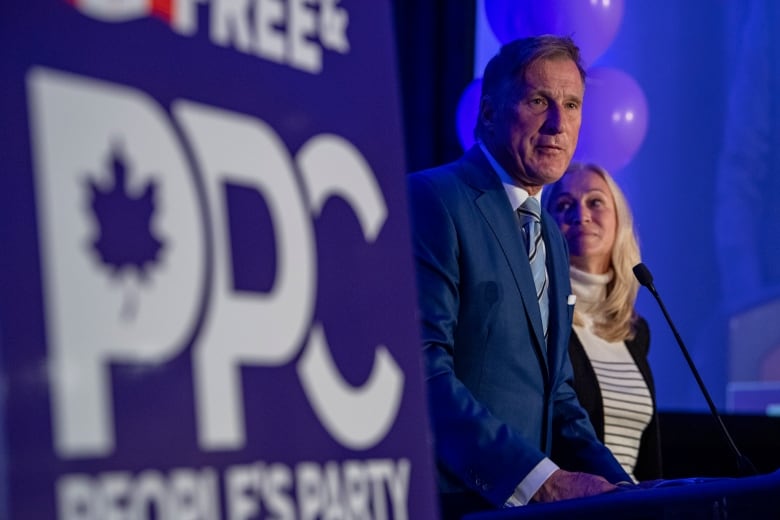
[{"x": 535, "y": 128}]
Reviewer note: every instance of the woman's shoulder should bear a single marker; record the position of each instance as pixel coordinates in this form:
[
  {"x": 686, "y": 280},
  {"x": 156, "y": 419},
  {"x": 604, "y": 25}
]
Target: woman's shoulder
[{"x": 641, "y": 339}]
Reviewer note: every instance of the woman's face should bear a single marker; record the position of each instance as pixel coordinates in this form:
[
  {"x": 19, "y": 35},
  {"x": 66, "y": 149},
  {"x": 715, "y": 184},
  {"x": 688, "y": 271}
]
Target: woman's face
[{"x": 585, "y": 211}]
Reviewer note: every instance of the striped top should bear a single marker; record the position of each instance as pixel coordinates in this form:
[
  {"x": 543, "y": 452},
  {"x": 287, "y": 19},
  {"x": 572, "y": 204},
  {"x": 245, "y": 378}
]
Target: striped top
[{"x": 628, "y": 406}]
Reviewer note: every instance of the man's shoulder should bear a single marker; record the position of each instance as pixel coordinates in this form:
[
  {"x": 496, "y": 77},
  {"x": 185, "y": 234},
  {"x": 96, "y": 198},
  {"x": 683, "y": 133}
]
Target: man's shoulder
[
  {"x": 471, "y": 168},
  {"x": 443, "y": 179}
]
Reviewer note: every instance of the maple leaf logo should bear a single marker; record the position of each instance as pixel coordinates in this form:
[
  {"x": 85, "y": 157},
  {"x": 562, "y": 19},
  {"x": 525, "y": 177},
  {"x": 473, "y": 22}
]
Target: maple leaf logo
[{"x": 125, "y": 239}]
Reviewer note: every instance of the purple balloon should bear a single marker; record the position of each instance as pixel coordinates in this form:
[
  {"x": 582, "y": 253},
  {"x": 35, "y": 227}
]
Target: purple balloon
[
  {"x": 614, "y": 119},
  {"x": 592, "y": 24},
  {"x": 467, "y": 111}
]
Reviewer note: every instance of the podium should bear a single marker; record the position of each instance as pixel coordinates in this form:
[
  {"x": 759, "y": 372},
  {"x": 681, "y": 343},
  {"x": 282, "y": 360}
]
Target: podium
[{"x": 745, "y": 498}]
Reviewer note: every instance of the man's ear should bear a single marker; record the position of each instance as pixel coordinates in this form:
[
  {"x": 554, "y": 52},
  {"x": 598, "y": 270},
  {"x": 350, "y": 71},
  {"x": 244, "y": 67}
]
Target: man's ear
[{"x": 487, "y": 113}]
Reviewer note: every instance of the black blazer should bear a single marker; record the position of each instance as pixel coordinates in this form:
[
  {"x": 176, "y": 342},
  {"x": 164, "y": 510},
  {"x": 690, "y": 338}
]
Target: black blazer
[{"x": 648, "y": 464}]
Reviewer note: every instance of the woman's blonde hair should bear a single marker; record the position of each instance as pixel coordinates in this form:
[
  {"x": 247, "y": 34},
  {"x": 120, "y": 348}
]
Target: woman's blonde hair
[{"x": 617, "y": 310}]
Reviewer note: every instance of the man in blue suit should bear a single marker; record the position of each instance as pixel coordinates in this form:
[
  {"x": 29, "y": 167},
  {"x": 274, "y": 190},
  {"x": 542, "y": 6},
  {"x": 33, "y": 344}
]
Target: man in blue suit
[{"x": 507, "y": 426}]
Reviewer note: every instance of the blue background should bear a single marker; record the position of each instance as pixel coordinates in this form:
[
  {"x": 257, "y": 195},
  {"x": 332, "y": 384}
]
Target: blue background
[{"x": 682, "y": 55}]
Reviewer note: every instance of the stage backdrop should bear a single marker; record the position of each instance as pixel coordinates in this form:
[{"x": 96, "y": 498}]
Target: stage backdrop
[
  {"x": 714, "y": 262},
  {"x": 207, "y": 306}
]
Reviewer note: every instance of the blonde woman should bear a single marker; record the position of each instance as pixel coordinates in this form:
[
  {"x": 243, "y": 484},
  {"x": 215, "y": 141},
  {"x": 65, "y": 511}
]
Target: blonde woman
[{"x": 609, "y": 341}]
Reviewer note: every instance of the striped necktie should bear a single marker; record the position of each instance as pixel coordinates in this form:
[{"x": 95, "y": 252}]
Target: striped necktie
[{"x": 530, "y": 218}]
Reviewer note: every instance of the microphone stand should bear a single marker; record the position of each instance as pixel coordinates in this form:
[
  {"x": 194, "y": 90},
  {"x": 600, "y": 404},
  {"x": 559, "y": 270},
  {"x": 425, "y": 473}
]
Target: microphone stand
[{"x": 744, "y": 466}]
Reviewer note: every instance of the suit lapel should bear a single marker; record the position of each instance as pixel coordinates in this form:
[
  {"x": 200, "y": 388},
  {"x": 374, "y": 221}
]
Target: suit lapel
[
  {"x": 557, "y": 270},
  {"x": 494, "y": 205}
]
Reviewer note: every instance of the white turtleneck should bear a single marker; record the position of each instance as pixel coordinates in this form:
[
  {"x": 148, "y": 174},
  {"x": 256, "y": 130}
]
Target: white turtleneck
[{"x": 628, "y": 406}]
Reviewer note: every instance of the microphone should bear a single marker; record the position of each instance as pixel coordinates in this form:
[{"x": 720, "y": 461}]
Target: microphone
[{"x": 744, "y": 466}]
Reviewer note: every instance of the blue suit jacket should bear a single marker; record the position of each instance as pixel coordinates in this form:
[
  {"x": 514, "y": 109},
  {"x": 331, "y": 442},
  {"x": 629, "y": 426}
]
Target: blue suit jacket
[{"x": 499, "y": 399}]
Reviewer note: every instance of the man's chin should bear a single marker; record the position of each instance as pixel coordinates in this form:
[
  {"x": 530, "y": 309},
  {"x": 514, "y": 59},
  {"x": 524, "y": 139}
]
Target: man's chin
[
  {"x": 551, "y": 175},
  {"x": 552, "y": 169},
  {"x": 543, "y": 171}
]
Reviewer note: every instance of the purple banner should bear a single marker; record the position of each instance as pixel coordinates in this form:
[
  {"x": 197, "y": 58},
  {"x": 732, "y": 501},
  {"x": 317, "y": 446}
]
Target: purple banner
[{"x": 206, "y": 296}]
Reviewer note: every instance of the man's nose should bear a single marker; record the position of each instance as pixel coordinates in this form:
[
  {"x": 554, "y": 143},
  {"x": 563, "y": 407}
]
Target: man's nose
[{"x": 554, "y": 122}]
